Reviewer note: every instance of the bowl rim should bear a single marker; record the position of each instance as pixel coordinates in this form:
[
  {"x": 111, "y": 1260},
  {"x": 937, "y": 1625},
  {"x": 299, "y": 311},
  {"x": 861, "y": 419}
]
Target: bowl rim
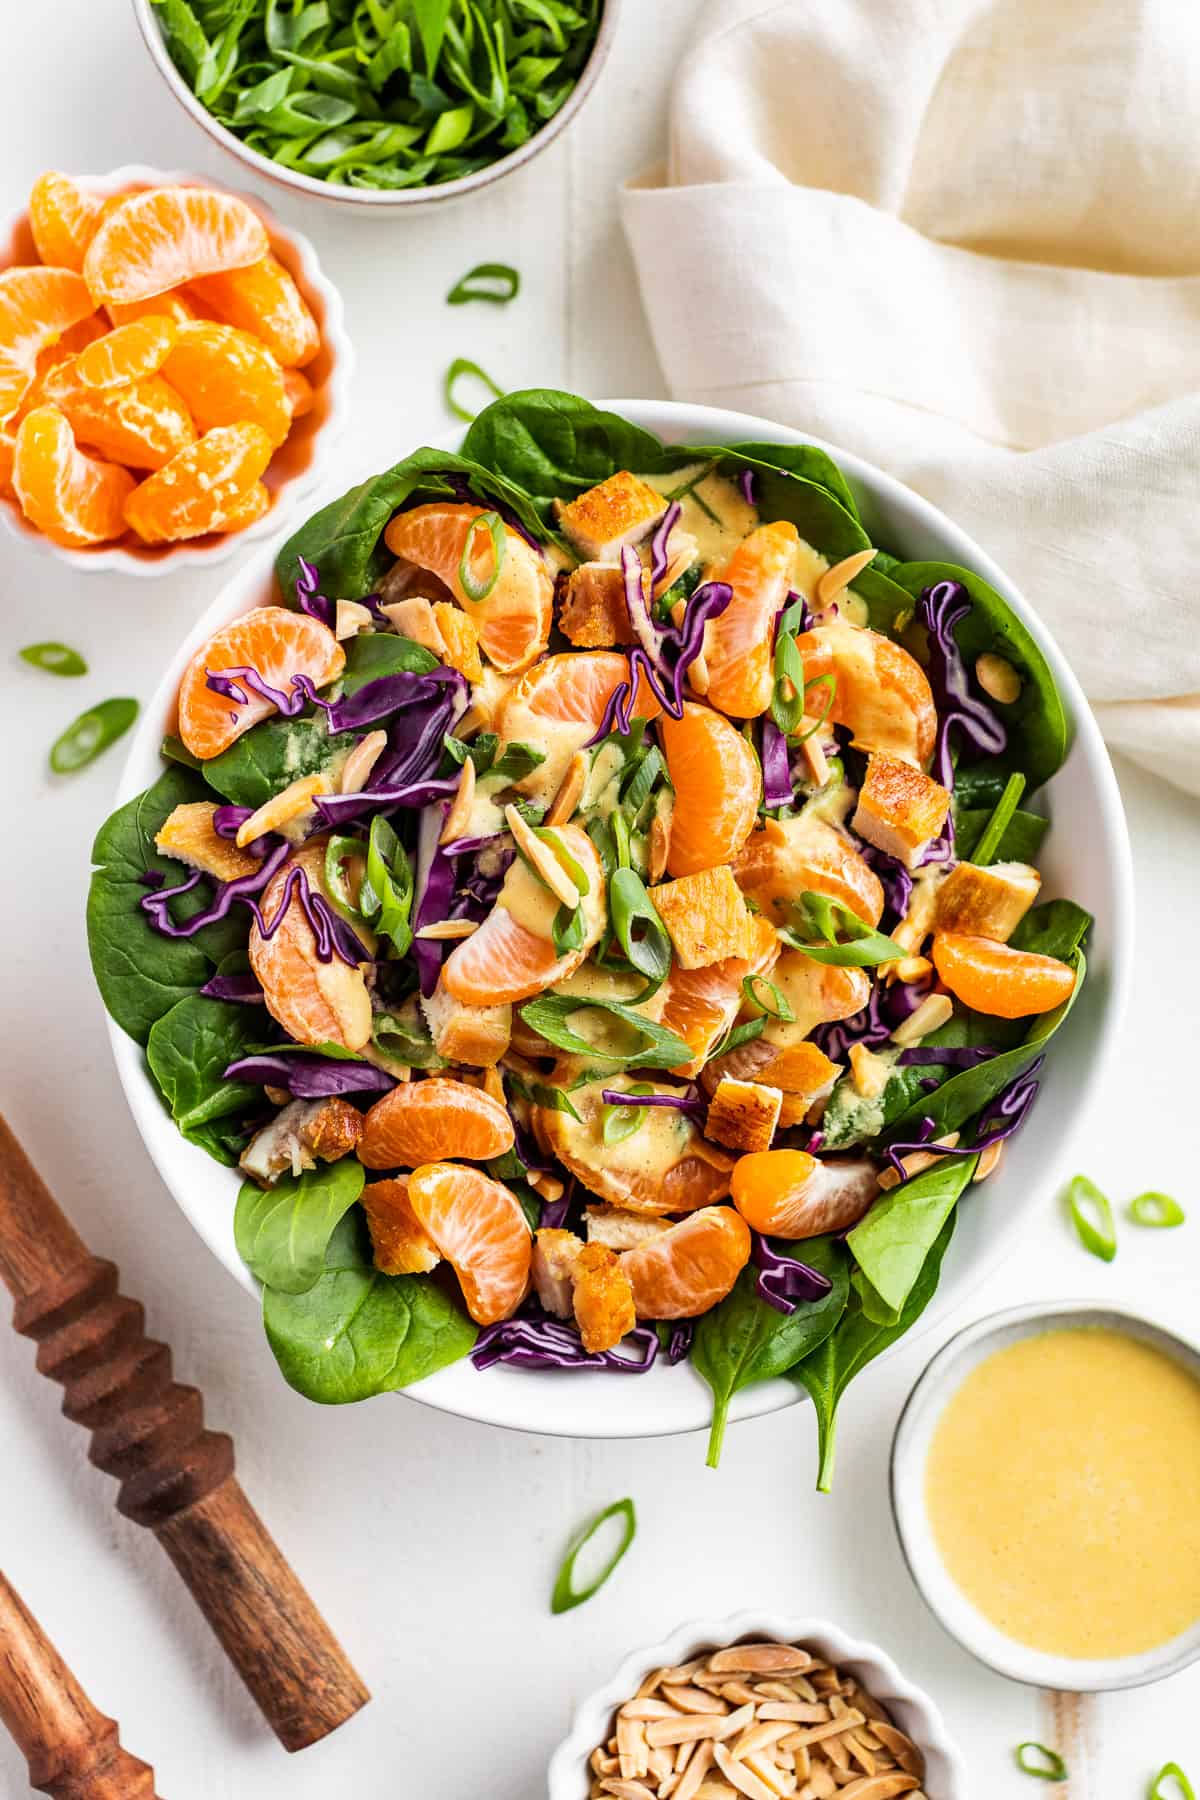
[
  {"x": 523, "y": 1400},
  {"x": 941, "y": 1378},
  {"x": 366, "y": 198},
  {"x": 567, "y": 1774},
  {"x": 183, "y": 555}
]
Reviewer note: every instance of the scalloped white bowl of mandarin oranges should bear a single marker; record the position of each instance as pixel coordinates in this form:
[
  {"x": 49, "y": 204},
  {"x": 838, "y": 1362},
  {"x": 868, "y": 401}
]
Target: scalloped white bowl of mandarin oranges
[{"x": 173, "y": 368}]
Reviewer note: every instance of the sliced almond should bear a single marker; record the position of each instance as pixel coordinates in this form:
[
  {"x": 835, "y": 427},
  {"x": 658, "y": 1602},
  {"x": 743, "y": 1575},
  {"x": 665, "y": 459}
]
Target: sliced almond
[
  {"x": 801, "y": 1712},
  {"x": 282, "y": 808},
  {"x": 551, "y": 1189},
  {"x": 685, "y": 1730},
  {"x": 759, "y": 1659},
  {"x": 541, "y": 858},
  {"x": 879, "y": 1787},
  {"x": 901, "y": 1747},
  {"x": 917, "y": 1161},
  {"x": 414, "y": 618},
  {"x": 989, "y": 1161},
  {"x": 632, "y": 1748},
  {"x": 351, "y": 618},
  {"x": 815, "y": 759},
  {"x": 740, "y": 1776},
  {"x": 694, "y": 1772},
  {"x": 759, "y": 1736},
  {"x": 444, "y": 929},
  {"x": 459, "y": 815},
  {"x": 776, "y": 1779},
  {"x": 567, "y": 798},
  {"x": 836, "y": 580},
  {"x": 817, "y": 1734},
  {"x": 931, "y": 1015},
  {"x": 998, "y": 679},
  {"x": 626, "y": 1790},
  {"x": 356, "y": 769},
  {"x": 692, "y": 1699}
]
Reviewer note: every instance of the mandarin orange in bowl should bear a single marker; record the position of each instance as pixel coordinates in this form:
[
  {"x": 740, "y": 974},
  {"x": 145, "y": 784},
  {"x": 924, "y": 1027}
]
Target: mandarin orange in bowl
[{"x": 141, "y": 311}]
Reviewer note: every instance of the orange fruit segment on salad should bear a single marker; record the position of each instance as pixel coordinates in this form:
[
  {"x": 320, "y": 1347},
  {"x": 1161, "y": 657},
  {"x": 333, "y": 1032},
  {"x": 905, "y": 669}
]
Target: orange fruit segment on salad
[
  {"x": 690, "y": 1267},
  {"x": 165, "y": 236},
  {"x": 768, "y": 1188},
  {"x": 399, "y": 1245},
  {"x": 316, "y": 1002},
  {"x": 429, "y": 1121},
  {"x": 142, "y": 424},
  {"x": 514, "y": 616},
  {"x": 36, "y": 307},
  {"x": 200, "y": 487},
  {"x": 573, "y": 688},
  {"x": 72, "y": 498},
  {"x": 226, "y": 376},
  {"x": 278, "y": 644},
  {"x": 128, "y": 353},
  {"x": 63, "y": 217},
  {"x": 478, "y": 1226},
  {"x": 264, "y": 299},
  {"x": 737, "y": 644},
  {"x": 994, "y": 978},
  {"x": 717, "y": 784}
]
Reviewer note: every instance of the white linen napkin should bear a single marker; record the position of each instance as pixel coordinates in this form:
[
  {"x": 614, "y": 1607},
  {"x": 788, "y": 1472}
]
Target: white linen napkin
[{"x": 962, "y": 237}]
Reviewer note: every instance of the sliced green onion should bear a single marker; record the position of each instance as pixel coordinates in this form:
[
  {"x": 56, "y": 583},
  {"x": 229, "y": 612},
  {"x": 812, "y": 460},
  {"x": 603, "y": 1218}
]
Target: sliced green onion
[
  {"x": 791, "y": 619},
  {"x": 1171, "y": 1772},
  {"x": 738, "y": 1035},
  {"x": 1158, "y": 1211},
  {"x": 1051, "y": 1766},
  {"x": 336, "y": 852},
  {"x": 829, "y": 682},
  {"x": 56, "y": 659},
  {"x": 619, "y": 827},
  {"x": 494, "y": 526},
  {"x": 476, "y": 284},
  {"x": 1093, "y": 1217},
  {"x": 566, "y": 1594},
  {"x": 404, "y": 1042},
  {"x": 462, "y": 365},
  {"x": 89, "y": 734},
  {"x": 575, "y": 870},
  {"x": 567, "y": 930},
  {"x": 993, "y": 832},
  {"x": 787, "y": 698},
  {"x": 639, "y": 930},
  {"x": 777, "y": 1006},
  {"x": 620, "y": 1122},
  {"x": 647, "y": 772},
  {"x": 386, "y": 895}
]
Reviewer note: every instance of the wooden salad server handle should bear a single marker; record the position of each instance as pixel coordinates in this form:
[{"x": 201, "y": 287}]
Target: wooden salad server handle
[
  {"x": 72, "y": 1748},
  {"x": 176, "y": 1476}
]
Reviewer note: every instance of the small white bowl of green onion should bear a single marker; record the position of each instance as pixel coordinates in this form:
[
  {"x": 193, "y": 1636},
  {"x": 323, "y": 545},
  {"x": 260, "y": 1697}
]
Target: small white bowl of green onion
[{"x": 395, "y": 106}]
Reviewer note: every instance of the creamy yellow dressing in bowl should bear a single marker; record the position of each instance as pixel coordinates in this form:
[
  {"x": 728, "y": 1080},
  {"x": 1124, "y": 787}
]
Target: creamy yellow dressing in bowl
[{"x": 1046, "y": 1486}]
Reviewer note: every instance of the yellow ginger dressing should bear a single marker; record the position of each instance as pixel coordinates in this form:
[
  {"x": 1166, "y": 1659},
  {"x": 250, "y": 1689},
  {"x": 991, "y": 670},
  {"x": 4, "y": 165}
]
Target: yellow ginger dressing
[{"x": 1063, "y": 1490}]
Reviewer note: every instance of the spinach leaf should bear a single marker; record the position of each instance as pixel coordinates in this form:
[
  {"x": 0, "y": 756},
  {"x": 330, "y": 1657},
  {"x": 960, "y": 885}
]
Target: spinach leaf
[
  {"x": 283, "y": 1232},
  {"x": 851, "y": 1118},
  {"x": 857, "y": 1340},
  {"x": 345, "y": 539},
  {"x": 891, "y": 1243},
  {"x": 553, "y": 445},
  {"x": 386, "y": 896},
  {"x": 381, "y": 653},
  {"x": 189, "y": 1049},
  {"x": 744, "y": 1339},
  {"x": 271, "y": 754},
  {"x": 141, "y": 974},
  {"x": 355, "y": 1332},
  {"x": 1022, "y": 838},
  {"x": 1039, "y": 733},
  {"x": 1055, "y": 928}
]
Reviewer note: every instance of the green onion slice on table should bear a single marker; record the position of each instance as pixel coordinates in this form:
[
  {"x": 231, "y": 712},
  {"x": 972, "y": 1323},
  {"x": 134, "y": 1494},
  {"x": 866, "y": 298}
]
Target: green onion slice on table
[
  {"x": 462, "y": 367},
  {"x": 55, "y": 659},
  {"x": 1172, "y": 1772},
  {"x": 91, "y": 733},
  {"x": 1092, "y": 1215},
  {"x": 1158, "y": 1211},
  {"x": 566, "y": 1594},
  {"x": 495, "y": 283},
  {"x": 1037, "y": 1759}
]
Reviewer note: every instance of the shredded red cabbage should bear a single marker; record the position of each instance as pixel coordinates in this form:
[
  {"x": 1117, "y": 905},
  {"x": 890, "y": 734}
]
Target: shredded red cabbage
[
  {"x": 232, "y": 684},
  {"x": 679, "y": 1344},
  {"x": 332, "y": 933},
  {"x": 156, "y": 905},
  {"x": 310, "y": 1077},
  {"x": 782, "y": 1281},
  {"x": 746, "y": 481},
  {"x": 958, "y": 1056},
  {"x": 691, "y": 1103},
  {"x": 441, "y": 690},
  {"x": 894, "y": 877},
  {"x": 886, "y": 1008},
  {"x": 245, "y": 989},
  {"x": 309, "y": 600},
  {"x": 664, "y": 653},
  {"x": 940, "y": 608},
  {"x": 228, "y": 820},
  {"x": 536, "y": 1341},
  {"x": 776, "y": 765},
  {"x": 1010, "y": 1109},
  {"x": 659, "y": 555}
]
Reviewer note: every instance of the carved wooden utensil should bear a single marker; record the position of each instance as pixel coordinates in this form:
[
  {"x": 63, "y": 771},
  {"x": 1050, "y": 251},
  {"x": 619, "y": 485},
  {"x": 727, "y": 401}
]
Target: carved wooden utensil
[
  {"x": 176, "y": 1477},
  {"x": 72, "y": 1749}
]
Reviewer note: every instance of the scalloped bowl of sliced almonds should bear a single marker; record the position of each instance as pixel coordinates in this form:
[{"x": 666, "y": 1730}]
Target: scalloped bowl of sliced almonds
[
  {"x": 173, "y": 370},
  {"x": 763, "y": 1706}
]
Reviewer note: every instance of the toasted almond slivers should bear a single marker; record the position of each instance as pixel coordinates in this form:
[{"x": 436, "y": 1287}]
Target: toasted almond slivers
[
  {"x": 868, "y": 1072},
  {"x": 738, "y": 1693},
  {"x": 818, "y": 1734},
  {"x": 350, "y": 618},
  {"x": 912, "y": 968},
  {"x": 690, "y": 1699},
  {"x": 742, "y": 1778},
  {"x": 988, "y": 1162},
  {"x": 836, "y": 580},
  {"x": 997, "y": 677},
  {"x": 567, "y": 798},
  {"x": 357, "y": 767},
  {"x": 931, "y": 1015},
  {"x": 802, "y": 1712},
  {"x": 660, "y": 846},
  {"x": 694, "y": 1771},
  {"x": 685, "y": 1730},
  {"x": 651, "y": 1683},
  {"x": 679, "y": 1677},
  {"x": 900, "y": 1746},
  {"x": 759, "y": 1659},
  {"x": 879, "y": 1787},
  {"x": 626, "y": 1790},
  {"x": 632, "y": 1749},
  {"x": 770, "y": 1774},
  {"x": 918, "y": 1161},
  {"x": 459, "y": 816},
  {"x": 814, "y": 756},
  {"x": 444, "y": 929},
  {"x": 551, "y": 1189},
  {"x": 541, "y": 858},
  {"x": 760, "y": 1736},
  {"x": 282, "y": 808}
]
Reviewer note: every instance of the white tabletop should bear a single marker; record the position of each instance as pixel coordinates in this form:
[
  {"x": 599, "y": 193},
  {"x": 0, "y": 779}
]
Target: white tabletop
[{"x": 430, "y": 1542}]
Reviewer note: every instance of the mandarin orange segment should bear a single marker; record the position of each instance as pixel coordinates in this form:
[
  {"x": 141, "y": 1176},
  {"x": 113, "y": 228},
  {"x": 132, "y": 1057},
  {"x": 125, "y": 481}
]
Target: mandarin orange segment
[
  {"x": 996, "y": 979},
  {"x": 299, "y": 392},
  {"x": 689, "y": 1268},
  {"x": 478, "y": 1226},
  {"x": 36, "y": 307},
  {"x": 666, "y": 1166},
  {"x": 247, "y": 509},
  {"x": 789, "y": 1194},
  {"x": 72, "y": 498},
  {"x": 278, "y": 644},
  {"x": 226, "y": 376},
  {"x": 141, "y": 425},
  {"x": 127, "y": 353},
  {"x": 8, "y": 446},
  {"x": 316, "y": 1002},
  {"x": 717, "y": 785},
  {"x": 197, "y": 489},
  {"x": 573, "y": 688},
  {"x": 787, "y": 856},
  {"x": 428, "y": 1121},
  {"x": 514, "y": 617},
  {"x": 63, "y": 217},
  {"x": 737, "y": 644},
  {"x": 265, "y": 300},
  {"x": 164, "y": 236},
  {"x": 174, "y": 305},
  {"x": 400, "y": 1246}
]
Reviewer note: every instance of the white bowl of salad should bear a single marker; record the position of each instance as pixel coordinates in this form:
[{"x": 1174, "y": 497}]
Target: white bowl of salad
[{"x": 613, "y": 892}]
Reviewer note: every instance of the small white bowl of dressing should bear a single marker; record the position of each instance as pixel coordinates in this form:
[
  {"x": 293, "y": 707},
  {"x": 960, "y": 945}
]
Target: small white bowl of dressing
[{"x": 1044, "y": 1478}]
